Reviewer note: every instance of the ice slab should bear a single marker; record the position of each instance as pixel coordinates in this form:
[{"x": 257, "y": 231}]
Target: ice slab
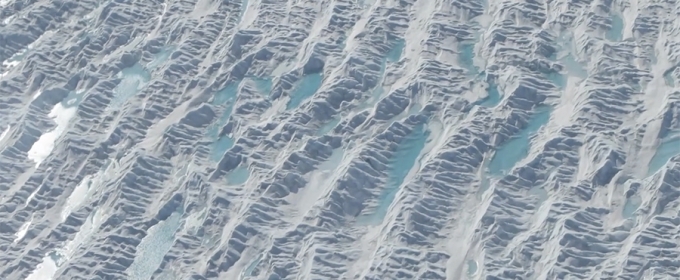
[
  {"x": 5, "y": 133},
  {"x": 305, "y": 89},
  {"x": 669, "y": 147},
  {"x": 228, "y": 93},
  {"x": 539, "y": 192},
  {"x": 41, "y": 149},
  {"x": 517, "y": 148},
  {"x": 23, "y": 230},
  {"x": 56, "y": 259},
  {"x": 13, "y": 61},
  {"x": 154, "y": 247},
  {"x": 77, "y": 197},
  {"x": 45, "y": 270},
  {"x": 133, "y": 80}
]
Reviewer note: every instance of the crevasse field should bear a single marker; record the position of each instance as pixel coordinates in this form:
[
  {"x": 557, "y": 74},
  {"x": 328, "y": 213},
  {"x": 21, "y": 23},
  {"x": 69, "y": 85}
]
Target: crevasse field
[{"x": 339, "y": 139}]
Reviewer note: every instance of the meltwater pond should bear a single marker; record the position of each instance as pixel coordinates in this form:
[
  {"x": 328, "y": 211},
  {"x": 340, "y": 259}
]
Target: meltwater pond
[
  {"x": 238, "y": 176},
  {"x": 517, "y": 148},
  {"x": 493, "y": 96},
  {"x": 573, "y": 67},
  {"x": 632, "y": 203},
  {"x": 395, "y": 53},
  {"x": 392, "y": 56},
  {"x": 669, "y": 147},
  {"x": 558, "y": 79},
  {"x": 222, "y": 143},
  {"x": 615, "y": 33},
  {"x": 472, "y": 268},
  {"x": 400, "y": 165},
  {"x": 466, "y": 55},
  {"x": 225, "y": 95},
  {"x": 668, "y": 77},
  {"x": 251, "y": 267},
  {"x": 305, "y": 89},
  {"x": 219, "y": 147},
  {"x": 263, "y": 85}
]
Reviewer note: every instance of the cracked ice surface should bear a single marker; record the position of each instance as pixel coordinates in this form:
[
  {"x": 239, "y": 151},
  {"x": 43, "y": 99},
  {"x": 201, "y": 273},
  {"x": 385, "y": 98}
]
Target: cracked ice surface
[{"x": 339, "y": 139}]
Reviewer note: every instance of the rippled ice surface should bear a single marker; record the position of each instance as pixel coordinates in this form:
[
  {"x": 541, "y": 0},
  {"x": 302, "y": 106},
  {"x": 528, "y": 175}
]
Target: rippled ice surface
[
  {"x": 281, "y": 209},
  {"x": 517, "y": 147}
]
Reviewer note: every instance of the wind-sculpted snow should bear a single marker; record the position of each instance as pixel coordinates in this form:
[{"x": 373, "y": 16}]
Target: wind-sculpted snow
[{"x": 339, "y": 139}]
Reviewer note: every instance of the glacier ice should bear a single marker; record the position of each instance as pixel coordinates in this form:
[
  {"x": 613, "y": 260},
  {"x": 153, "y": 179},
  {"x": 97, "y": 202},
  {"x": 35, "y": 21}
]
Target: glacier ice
[{"x": 411, "y": 139}]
